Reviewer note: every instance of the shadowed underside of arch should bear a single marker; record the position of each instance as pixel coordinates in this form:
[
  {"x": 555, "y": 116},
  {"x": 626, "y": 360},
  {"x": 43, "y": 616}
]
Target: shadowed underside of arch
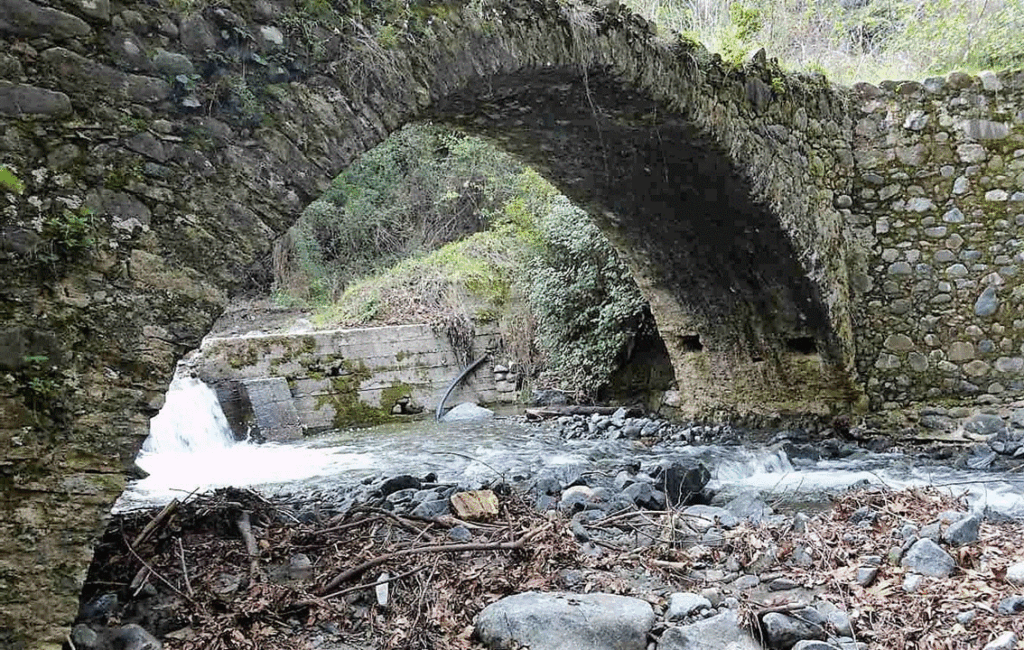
[
  {"x": 716, "y": 183},
  {"x": 744, "y": 324}
]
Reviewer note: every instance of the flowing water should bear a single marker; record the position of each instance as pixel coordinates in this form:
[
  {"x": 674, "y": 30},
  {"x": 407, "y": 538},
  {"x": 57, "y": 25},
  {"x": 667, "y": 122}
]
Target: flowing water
[{"x": 191, "y": 449}]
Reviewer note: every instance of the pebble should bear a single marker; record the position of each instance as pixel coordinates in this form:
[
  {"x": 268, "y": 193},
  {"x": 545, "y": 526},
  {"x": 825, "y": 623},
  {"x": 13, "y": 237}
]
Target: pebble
[
  {"x": 744, "y": 582},
  {"x": 866, "y": 575},
  {"x": 1015, "y": 574},
  {"x": 782, "y": 584},
  {"x": 928, "y": 558},
  {"x": 965, "y": 617},
  {"x": 964, "y": 531},
  {"x": 1011, "y": 605},
  {"x": 840, "y": 622},
  {"x": 932, "y": 531},
  {"x": 460, "y": 534},
  {"x": 785, "y": 630},
  {"x": 1005, "y": 641},
  {"x": 912, "y": 582},
  {"x": 683, "y": 604}
]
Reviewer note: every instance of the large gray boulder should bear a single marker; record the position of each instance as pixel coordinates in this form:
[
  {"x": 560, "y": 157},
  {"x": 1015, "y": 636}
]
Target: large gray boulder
[
  {"x": 565, "y": 621},
  {"x": 683, "y": 480},
  {"x": 467, "y": 411},
  {"x": 927, "y": 558},
  {"x": 722, "y": 632},
  {"x": 985, "y": 424}
]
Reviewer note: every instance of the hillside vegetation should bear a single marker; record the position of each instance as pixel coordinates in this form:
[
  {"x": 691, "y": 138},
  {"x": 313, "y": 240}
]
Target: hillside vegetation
[
  {"x": 854, "y": 40},
  {"x": 441, "y": 228}
]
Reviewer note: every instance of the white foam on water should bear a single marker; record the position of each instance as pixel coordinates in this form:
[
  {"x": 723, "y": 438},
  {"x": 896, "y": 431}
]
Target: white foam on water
[
  {"x": 744, "y": 465},
  {"x": 190, "y": 448},
  {"x": 772, "y": 474}
]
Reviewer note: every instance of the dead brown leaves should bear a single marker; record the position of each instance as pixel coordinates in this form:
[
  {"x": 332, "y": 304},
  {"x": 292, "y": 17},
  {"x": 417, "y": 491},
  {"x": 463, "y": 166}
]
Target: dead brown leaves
[
  {"x": 883, "y": 613},
  {"x": 433, "y": 594}
]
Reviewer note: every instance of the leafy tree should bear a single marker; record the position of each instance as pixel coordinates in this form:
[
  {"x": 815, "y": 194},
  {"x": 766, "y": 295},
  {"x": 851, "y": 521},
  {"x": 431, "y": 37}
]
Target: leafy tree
[
  {"x": 423, "y": 187},
  {"x": 584, "y": 299},
  {"x": 567, "y": 303}
]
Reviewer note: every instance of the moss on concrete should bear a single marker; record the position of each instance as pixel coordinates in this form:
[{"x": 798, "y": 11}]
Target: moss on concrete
[
  {"x": 390, "y": 396},
  {"x": 349, "y": 410}
]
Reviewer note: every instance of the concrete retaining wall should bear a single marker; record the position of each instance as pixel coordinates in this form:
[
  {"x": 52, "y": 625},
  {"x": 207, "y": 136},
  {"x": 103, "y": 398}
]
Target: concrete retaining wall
[{"x": 337, "y": 378}]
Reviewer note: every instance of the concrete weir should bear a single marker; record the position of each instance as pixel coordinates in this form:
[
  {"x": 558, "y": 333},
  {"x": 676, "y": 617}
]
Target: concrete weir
[
  {"x": 804, "y": 247},
  {"x": 284, "y": 386}
]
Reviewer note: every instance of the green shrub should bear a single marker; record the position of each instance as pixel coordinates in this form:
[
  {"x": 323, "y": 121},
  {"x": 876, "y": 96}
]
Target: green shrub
[
  {"x": 470, "y": 278},
  {"x": 963, "y": 35},
  {"x": 586, "y": 305},
  {"x": 420, "y": 189},
  {"x": 746, "y": 20},
  {"x": 70, "y": 230}
]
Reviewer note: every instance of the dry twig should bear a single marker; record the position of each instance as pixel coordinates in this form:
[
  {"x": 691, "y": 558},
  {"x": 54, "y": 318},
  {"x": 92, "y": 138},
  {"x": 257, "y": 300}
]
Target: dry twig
[{"x": 442, "y": 548}]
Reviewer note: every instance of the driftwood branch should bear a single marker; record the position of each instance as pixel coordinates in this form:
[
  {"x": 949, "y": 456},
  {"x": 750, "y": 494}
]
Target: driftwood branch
[
  {"x": 365, "y": 585},
  {"x": 401, "y": 521},
  {"x": 156, "y": 522},
  {"x": 666, "y": 564},
  {"x": 245, "y": 528},
  {"x": 153, "y": 572},
  {"x": 139, "y": 581},
  {"x": 184, "y": 569},
  {"x": 440, "y": 548}
]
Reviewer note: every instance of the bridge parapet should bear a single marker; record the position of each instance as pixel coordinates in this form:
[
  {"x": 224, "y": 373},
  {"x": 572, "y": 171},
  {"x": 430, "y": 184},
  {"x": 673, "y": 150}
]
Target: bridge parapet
[{"x": 937, "y": 214}]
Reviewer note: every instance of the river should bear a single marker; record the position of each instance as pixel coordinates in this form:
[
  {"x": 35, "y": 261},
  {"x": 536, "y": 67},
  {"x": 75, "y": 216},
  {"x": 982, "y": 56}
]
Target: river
[{"x": 190, "y": 448}]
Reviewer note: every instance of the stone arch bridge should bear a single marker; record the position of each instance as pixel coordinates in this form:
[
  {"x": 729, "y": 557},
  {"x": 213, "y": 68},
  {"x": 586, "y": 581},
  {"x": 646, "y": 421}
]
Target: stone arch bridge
[{"x": 805, "y": 247}]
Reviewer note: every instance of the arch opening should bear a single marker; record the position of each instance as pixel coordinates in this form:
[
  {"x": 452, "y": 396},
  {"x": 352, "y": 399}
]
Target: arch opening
[
  {"x": 185, "y": 206},
  {"x": 534, "y": 258},
  {"x": 713, "y": 261}
]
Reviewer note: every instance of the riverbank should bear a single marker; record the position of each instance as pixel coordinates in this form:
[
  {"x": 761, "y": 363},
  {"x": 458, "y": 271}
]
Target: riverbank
[
  {"x": 764, "y": 538},
  {"x": 877, "y": 569}
]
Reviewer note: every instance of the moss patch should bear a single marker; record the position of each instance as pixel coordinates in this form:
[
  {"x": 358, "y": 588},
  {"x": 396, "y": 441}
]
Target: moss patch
[
  {"x": 390, "y": 396},
  {"x": 349, "y": 410},
  {"x": 247, "y": 357}
]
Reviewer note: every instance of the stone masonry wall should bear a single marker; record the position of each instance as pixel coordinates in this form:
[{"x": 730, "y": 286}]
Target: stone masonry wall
[
  {"x": 339, "y": 378},
  {"x": 161, "y": 146},
  {"x": 938, "y": 216}
]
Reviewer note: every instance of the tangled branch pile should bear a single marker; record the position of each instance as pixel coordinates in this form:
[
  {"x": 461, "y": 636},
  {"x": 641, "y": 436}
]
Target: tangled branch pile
[{"x": 233, "y": 570}]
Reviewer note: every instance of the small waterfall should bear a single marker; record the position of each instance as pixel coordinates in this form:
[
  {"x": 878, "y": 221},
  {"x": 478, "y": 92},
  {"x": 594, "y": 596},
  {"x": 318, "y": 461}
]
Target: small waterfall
[
  {"x": 190, "y": 448},
  {"x": 191, "y": 420}
]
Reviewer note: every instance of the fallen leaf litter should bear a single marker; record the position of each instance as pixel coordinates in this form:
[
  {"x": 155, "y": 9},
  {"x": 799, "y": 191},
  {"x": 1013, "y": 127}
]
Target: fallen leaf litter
[{"x": 216, "y": 582}]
